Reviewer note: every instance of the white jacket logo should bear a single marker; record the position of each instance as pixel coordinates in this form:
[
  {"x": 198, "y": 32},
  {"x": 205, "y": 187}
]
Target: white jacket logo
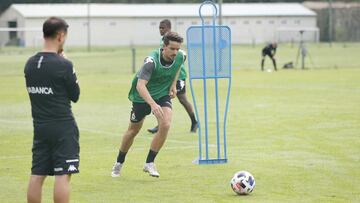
[
  {"x": 72, "y": 168},
  {"x": 40, "y": 90}
]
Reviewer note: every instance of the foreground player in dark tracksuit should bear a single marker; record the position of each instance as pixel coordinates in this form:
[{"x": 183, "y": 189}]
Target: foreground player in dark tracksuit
[
  {"x": 269, "y": 50},
  {"x": 52, "y": 85}
]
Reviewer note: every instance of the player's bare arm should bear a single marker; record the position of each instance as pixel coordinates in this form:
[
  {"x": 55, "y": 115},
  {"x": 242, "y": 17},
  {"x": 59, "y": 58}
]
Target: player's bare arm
[{"x": 172, "y": 92}]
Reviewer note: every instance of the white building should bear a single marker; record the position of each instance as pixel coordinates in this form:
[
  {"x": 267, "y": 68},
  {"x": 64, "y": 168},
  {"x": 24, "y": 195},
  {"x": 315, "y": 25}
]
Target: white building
[{"x": 125, "y": 24}]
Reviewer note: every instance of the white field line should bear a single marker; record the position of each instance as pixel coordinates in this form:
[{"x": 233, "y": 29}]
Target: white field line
[
  {"x": 138, "y": 136},
  {"x": 303, "y": 87},
  {"x": 102, "y": 132},
  {"x": 14, "y": 122},
  {"x": 190, "y": 145},
  {"x": 4, "y": 157}
]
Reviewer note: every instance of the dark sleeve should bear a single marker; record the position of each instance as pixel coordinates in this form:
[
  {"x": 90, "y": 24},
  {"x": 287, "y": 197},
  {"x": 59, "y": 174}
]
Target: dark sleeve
[
  {"x": 147, "y": 69},
  {"x": 71, "y": 83}
]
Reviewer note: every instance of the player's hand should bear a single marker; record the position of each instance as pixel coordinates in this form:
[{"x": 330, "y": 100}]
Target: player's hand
[
  {"x": 172, "y": 92},
  {"x": 157, "y": 111},
  {"x": 62, "y": 53}
]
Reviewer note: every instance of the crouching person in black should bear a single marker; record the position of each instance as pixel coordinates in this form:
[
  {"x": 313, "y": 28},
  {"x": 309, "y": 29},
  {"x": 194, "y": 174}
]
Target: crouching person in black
[{"x": 269, "y": 50}]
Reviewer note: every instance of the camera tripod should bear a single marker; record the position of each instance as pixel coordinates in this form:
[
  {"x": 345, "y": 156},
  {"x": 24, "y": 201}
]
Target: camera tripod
[{"x": 303, "y": 51}]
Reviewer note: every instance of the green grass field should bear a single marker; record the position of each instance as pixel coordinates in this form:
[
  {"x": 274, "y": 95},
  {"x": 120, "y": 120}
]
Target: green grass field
[{"x": 297, "y": 131}]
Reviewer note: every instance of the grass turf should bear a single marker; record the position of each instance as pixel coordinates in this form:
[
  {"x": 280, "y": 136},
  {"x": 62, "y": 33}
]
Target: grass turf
[{"x": 296, "y": 131}]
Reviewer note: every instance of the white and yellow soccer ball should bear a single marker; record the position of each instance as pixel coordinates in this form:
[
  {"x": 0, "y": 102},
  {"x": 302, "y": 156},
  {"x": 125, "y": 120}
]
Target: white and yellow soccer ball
[{"x": 242, "y": 183}]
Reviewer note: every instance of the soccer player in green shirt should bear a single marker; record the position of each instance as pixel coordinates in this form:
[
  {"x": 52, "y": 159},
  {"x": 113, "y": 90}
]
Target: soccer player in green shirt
[
  {"x": 151, "y": 91},
  {"x": 164, "y": 27}
]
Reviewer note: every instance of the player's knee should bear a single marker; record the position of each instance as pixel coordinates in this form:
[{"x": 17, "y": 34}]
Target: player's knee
[
  {"x": 133, "y": 131},
  {"x": 34, "y": 191},
  {"x": 165, "y": 124}
]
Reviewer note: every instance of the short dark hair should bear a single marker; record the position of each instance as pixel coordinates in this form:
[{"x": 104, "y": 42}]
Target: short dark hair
[
  {"x": 53, "y": 25},
  {"x": 166, "y": 22},
  {"x": 172, "y": 36}
]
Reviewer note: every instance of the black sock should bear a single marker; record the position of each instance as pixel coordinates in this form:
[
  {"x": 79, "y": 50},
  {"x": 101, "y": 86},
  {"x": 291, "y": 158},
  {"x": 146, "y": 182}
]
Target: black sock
[
  {"x": 151, "y": 156},
  {"x": 121, "y": 157},
  {"x": 274, "y": 62},
  {"x": 193, "y": 119}
]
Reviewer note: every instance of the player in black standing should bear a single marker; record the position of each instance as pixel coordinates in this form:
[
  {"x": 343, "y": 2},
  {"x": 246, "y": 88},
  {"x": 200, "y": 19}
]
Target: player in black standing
[
  {"x": 269, "y": 50},
  {"x": 52, "y": 85}
]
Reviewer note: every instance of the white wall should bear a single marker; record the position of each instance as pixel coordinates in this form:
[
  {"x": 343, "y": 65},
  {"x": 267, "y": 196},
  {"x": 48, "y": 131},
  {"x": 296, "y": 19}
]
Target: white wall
[
  {"x": 247, "y": 30},
  {"x": 77, "y": 31},
  {"x": 144, "y": 31}
]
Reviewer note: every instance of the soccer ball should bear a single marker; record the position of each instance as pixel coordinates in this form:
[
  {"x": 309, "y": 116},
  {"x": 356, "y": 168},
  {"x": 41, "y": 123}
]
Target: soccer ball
[{"x": 243, "y": 183}]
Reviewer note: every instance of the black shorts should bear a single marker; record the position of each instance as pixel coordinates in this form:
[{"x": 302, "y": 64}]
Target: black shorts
[
  {"x": 55, "y": 148},
  {"x": 140, "y": 110},
  {"x": 264, "y": 53},
  {"x": 180, "y": 87}
]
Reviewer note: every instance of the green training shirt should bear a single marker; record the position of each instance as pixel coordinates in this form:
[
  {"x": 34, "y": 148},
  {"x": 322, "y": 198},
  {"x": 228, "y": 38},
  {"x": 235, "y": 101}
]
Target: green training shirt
[{"x": 161, "y": 77}]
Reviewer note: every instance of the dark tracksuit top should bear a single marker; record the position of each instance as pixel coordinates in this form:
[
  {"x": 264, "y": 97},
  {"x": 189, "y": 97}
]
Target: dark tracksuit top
[{"x": 52, "y": 84}]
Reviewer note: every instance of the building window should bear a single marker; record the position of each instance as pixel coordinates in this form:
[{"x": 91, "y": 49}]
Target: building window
[
  {"x": 233, "y": 22},
  {"x": 271, "y": 22},
  {"x": 85, "y": 23},
  {"x": 112, "y": 23},
  {"x": 283, "y": 22},
  {"x": 297, "y": 22},
  {"x": 246, "y": 22},
  {"x": 12, "y": 34},
  {"x": 153, "y": 23},
  {"x": 258, "y": 22},
  {"x": 193, "y": 23},
  {"x": 180, "y": 23}
]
